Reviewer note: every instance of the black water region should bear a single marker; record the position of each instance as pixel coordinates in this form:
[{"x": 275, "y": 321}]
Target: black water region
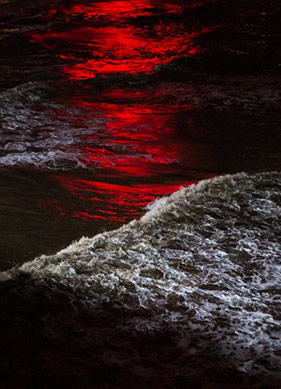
[{"x": 106, "y": 106}]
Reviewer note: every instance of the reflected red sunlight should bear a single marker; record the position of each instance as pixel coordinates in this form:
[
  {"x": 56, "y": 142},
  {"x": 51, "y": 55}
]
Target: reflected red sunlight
[
  {"x": 121, "y": 47},
  {"x": 111, "y": 202},
  {"x": 126, "y": 50},
  {"x": 138, "y": 143},
  {"x": 135, "y": 153},
  {"x": 136, "y": 139},
  {"x": 118, "y": 11},
  {"x": 114, "y": 10}
]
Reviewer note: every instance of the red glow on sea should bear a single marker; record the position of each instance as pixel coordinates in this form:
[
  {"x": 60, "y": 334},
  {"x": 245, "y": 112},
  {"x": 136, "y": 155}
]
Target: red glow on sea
[
  {"x": 121, "y": 47},
  {"x": 137, "y": 138},
  {"x": 137, "y": 151},
  {"x": 113, "y": 203},
  {"x": 113, "y": 10},
  {"x": 134, "y": 159}
]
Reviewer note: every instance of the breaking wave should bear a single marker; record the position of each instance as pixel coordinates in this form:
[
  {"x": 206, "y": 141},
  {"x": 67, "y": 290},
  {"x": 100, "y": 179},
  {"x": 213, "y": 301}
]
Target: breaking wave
[{"x": 204, "y": 262}]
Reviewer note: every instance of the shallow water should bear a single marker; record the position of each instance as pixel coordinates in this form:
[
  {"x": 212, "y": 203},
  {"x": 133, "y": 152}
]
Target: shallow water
[{"x": 105, "y": 107}]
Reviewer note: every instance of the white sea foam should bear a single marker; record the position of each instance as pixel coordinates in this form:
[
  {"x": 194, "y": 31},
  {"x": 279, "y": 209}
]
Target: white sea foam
[
  {"x": 37, "y": 131},
  {"x": 204, "y": 261}
]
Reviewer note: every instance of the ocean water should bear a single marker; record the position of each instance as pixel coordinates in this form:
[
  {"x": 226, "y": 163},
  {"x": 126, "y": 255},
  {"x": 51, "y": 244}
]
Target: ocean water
[
  {"x": 200, "y": 269},
  {"x": 107, "y": 109},
  {"x": 106, "y": 106}
]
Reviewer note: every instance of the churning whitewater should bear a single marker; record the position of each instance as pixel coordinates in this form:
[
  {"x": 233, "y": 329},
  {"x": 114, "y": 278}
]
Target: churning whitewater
[{"x": 204, "y": 262}]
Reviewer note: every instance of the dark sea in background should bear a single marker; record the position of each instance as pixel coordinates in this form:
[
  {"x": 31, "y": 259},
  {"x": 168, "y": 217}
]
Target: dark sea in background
[{"x": 105, "y": 107}]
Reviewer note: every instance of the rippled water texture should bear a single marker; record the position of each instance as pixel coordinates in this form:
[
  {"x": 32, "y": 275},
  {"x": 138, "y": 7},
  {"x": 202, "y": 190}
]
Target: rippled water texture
[
  {"x": 111, "y": 104},
  {"x": 106, "y": 106}
]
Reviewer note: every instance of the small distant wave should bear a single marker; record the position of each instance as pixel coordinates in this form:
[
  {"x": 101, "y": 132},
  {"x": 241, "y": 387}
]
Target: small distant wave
[
  {"x": 29, "y": 93},
  {"x": 37, "y": 131},
  {"x": 54, "y": 160},
  {"x": 204, "y": 262}
]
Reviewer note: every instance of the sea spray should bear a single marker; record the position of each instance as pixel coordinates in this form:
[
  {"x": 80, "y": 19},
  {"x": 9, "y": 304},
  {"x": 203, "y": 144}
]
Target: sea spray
[{"x": 204, "y": 262}]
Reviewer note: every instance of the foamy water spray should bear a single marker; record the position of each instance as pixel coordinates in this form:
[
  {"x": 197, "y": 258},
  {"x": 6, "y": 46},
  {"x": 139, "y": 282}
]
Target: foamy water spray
[{"x": 204, "y": 261}]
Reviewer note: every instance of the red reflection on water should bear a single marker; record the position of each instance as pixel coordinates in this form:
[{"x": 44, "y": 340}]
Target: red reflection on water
[
  {"x": 112, "y": 202},
  {"x": 114, "y": 10},
  {"x": 138, "y": 139},
  {"x": 135, "y": 153},
  {"x": 118, "y": 10},
  {"x": 125, "y": 50},
  {"x": 120, "y": 47}
]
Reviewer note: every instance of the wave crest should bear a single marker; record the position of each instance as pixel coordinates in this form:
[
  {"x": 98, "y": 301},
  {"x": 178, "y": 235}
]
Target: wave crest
[{"x": 205, "y": 261}]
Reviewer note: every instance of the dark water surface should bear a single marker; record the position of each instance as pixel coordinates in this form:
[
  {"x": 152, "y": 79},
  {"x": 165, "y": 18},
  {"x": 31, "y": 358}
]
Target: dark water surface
[
  {"x": 106, "y": 106},
  {"x": 109, "y": 105}
]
